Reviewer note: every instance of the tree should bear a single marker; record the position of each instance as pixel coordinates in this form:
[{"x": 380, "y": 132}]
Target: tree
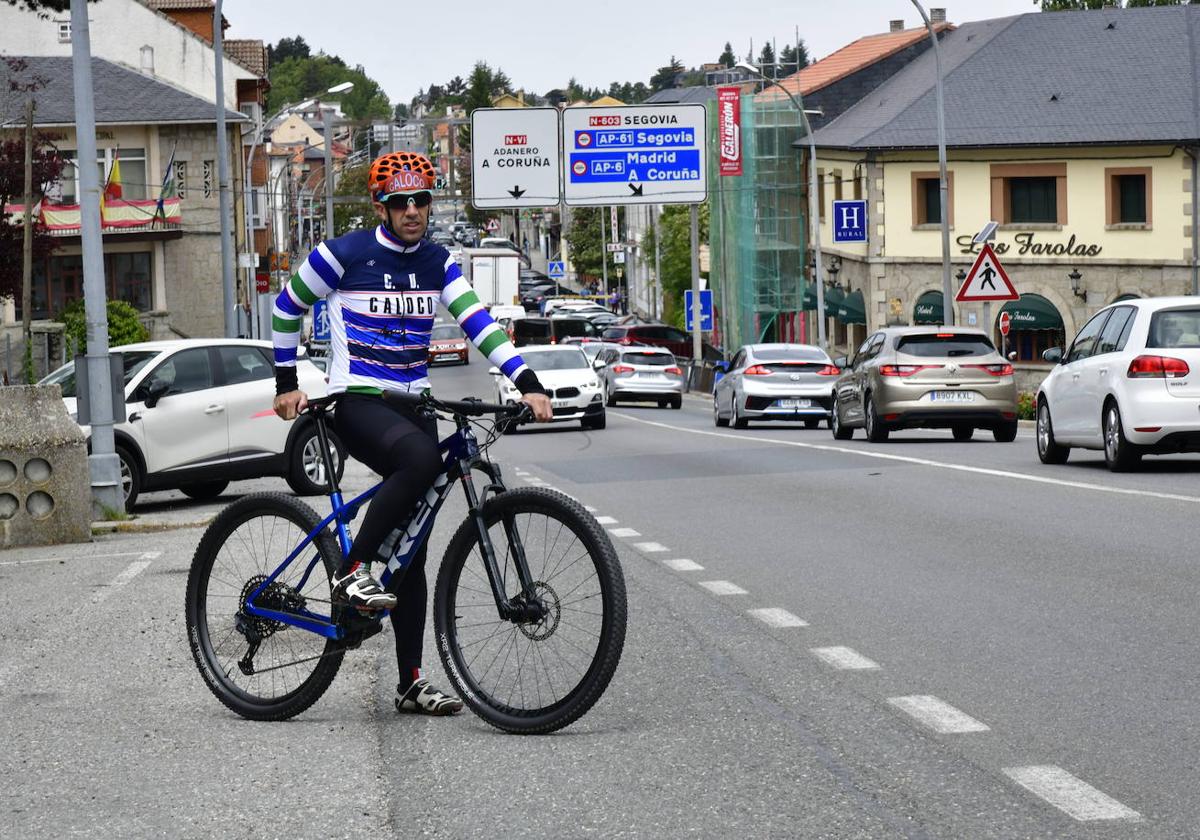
[
  {"x": 675, "y": 228},
  {"x": 42, "y": 8},
  {"x": 766, "y": 60},
  {"x": 727, "y": 58},
  {"x": 792, "y": 59},
  {"x": 298, "y": 78},
  {"x": 289, "y": 48},
  {"x": 124, "y": 326},
  {"x": 348, "y": 217},
  {"x": 665, "y": 77}
]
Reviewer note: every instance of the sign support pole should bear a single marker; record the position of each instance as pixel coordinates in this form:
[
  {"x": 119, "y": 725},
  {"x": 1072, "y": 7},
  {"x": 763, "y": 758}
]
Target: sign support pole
[
  {"x": 603, "y": 254},
  {"x": 656, "y": 217},
  {"x": 987, "y": 317},
  {"x": 697, "y": 354}
]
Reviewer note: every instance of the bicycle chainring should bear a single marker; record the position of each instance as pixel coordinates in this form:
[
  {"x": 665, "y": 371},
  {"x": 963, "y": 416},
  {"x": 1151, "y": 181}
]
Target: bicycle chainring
[{"x": 277, "y": 596}]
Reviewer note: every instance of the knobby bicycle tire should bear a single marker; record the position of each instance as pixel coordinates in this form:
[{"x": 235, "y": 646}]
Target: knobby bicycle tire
[
  {"x": 222, "y": 538},
  {"x": 565, "y": 520}
]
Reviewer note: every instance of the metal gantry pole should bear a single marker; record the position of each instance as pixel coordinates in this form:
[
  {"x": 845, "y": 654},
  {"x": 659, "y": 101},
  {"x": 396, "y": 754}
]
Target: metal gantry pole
[
  {"x": 697, "y": 341},
  {"x": 944, "y": 189},
  {"x": 656, "y": 216},
  {"x": 603, "y": 254},
  {"x": 103, "y": 463}
]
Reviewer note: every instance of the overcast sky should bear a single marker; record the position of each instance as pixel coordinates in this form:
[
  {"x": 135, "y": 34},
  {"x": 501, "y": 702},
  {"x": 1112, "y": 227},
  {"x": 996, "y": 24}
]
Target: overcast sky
[{"x": 540, "y": 45}]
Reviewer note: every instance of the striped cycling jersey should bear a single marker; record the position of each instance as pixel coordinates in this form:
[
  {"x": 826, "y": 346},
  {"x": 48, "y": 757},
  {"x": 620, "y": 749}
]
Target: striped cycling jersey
[{"x": 382, "y": 298}]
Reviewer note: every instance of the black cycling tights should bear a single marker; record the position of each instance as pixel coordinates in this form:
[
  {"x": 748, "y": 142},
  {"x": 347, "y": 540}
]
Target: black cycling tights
[{"x": 401, "y": 447}]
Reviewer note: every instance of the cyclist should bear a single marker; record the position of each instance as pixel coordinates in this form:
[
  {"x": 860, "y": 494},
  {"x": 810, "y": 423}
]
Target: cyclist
[{"x": 382, "y": 288}]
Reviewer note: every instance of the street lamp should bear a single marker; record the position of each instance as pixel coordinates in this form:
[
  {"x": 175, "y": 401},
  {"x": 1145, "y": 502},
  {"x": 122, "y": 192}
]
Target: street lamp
[
  {"x": 1075, "y": 277},
  {"x": 947, "y": 293},
  {"x": 327, "y": 120},
  {"x": 813, "y": 210}
]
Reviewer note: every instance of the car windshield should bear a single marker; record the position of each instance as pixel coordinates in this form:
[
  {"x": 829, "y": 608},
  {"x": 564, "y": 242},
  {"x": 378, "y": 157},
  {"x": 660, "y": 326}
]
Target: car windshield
[
  {"x": 592, "y": 349},
  {"x": 789, "y": 354},
  {"x": 64, "y": 377},
  {"x": 446, "y": 332},
  {"x": 944, "y": 345},
  {"x": 565, "y": 359},
  {"x": 641, "y": 358},
  {"x": 1174, "y": 328}
]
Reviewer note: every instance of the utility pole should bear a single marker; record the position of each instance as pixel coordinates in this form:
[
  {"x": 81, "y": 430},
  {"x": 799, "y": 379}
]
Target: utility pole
[
  {"x": 27, "y": 244},
  {"x": 229, "y": 292},
  {"x": 603, "y": 253},
  {"x": 697, "y": 344},
  {"x": 103, "y": 463},
  {"x": 656, "y": 218},
  {"x": 327, "y": 125}
]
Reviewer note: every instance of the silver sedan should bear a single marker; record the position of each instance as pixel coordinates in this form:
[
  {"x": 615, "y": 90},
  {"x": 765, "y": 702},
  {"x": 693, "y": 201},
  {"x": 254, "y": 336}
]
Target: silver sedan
[{"x": 775, "y": 382}]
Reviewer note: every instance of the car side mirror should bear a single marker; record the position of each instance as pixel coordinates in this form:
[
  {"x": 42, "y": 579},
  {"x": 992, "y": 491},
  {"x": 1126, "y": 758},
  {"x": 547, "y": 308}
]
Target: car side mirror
[
  {"x": 158, "y": 388},
  {"x": 1054, "y": 355},
  {"x": 493, "y": 371},
  {"x": 598, "y": 364},
  {"x": 723, "y": 367},
  {"x": 1012, "y": 355},
  {"x": 841, "y": 362}
]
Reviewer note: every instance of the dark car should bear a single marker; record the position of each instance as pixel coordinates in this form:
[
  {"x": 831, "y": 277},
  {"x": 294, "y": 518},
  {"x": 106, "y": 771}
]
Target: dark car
[
  {"x": 551, "y": 330},
  {"x": 659, "y": 335},
  {"x": 533, "y": 298}
]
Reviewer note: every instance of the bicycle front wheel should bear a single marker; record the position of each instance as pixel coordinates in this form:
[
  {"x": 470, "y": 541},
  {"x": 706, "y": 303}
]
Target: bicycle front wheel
[
  {"x": 260, "y": 668},
  {"x": 532, "y": 677}
]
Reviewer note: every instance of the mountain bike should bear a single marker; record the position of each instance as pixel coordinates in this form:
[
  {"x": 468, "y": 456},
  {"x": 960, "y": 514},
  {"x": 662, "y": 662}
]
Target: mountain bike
[{"x": 529, "y": 608}]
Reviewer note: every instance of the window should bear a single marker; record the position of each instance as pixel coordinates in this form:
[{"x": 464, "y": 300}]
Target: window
[
  {"x": 944, "y": 345},
  {"x": 1033, "y": 200},
  {"x": 821, "y": 194},
  {"x": 1029, "y": 193},
  {"x": 207, "y": 179},
  {"x": 181, "y": 178},
  {"x": 837, "y": 185},
  {"x": 1127, "y": 196},
  {"x": 1085, "y": 343},
  {"x": 64, "y": 31},
  {"x": 1117, "y": 326},
  {"x": 185, "y": 372},
  {"x": 1174, "y": 329},
  {"x": 243, "y": 364},
  {"x": 858, "y": 189},
  {"x": 133, "y": 173},
  {"x": 927, "y": 198},
  {"x": 258, "y": 202},
  {"x": 59, "y": 281}
]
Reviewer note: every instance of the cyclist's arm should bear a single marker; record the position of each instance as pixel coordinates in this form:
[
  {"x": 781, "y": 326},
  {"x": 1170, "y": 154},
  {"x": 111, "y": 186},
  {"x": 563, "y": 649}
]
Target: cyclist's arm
[
  {"x": 461, "y": 301},
  {"x": 317, "y": 276}
]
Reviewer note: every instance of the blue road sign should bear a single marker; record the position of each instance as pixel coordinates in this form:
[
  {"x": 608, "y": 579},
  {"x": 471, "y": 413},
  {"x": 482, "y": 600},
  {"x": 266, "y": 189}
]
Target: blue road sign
[
  {"x": 320, "y": 313},
  {"x": 706, "y": 309},
  {"x": 556, "y": 271},
  {"x": 850, "y": 221}
]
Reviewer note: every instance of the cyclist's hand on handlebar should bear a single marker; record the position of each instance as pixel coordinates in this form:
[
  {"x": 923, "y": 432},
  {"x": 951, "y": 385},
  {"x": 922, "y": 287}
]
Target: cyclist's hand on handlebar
[
  {"x": 539, "y": 404},
  {"x": 288, "y": 406}
]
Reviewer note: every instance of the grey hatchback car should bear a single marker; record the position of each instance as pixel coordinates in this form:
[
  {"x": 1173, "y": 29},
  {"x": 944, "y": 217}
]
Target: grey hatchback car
[
  {"x": 775, "y": 382},
  {"x": 925, "y": 377}
]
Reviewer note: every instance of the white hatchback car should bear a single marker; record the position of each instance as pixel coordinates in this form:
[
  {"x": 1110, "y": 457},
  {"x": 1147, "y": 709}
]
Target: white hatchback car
[
  {"x": 573, "y": 386},
  {"x": 198, "y": 415},
  {"x": 1129, "y": 384}
]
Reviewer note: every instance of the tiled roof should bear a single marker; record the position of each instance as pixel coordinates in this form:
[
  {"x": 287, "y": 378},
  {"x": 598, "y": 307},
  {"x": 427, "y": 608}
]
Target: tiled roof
[
  {"x": 850, "y": 59},
  {"x": 123, "y": 96},
  {"x": 1044, "y": 78},
  {"x": 250, "y": 54},
  {"x": 166, "y": 5}
]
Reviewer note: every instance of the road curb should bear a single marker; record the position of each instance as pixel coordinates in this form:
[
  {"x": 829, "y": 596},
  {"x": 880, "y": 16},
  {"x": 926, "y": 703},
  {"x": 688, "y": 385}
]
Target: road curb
[{"x": 147, "y": 527}]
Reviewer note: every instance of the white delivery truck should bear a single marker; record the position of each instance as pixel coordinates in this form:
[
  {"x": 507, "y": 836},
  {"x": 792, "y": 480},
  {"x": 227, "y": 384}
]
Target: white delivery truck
[{"x": 494, "y": 273}]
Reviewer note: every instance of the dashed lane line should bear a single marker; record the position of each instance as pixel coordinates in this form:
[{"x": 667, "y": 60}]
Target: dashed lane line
[
  {"x": 1069, "y": 794},
  {"x": 937, "y": 714},
  {"x": 650, "y": 547},
  {"x": 926, "y": 462},
  {"x": 624, "y": 533},
  {"x": 606, "y": 520},
  {"x": 69, "y": 557},
  {"x": 722, "y": 587},
  {"x": 130, "y": 572},
  {"x": 682, "y": 564},
  {"x": 844, "y": 658},
  {"x": 777, "y": 617}
]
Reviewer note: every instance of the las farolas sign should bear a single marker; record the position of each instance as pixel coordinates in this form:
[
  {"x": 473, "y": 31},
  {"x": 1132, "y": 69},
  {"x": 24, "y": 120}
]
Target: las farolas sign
[{"x": 1026, "y": 244}]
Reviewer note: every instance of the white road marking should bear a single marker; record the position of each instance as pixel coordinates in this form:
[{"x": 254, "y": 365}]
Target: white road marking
[
  {"x": 650, "y": 547},
  {"x": 844, "y": 658},
  {"x": 521, "y": 472},
  {"x": 682, "y": 564},
  {"x": 61, "y": 559},
  {"x": 589, "y": 509},
  {"x": 1067, "y": 793},
  {"x": 624, "y": 533},
  {"x": 777, "y": 617},
  {"x": 606, "y": 520},
  {"x": 722, "y": 587},
  {"x": 131, "y": 571},
  {"x": 925, "y": 462},
  {"x": 937, "y": 714}
]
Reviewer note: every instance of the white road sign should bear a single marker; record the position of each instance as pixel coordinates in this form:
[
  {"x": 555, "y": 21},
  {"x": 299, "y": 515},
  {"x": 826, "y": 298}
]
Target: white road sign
[
  {"x": 514, "y": 157},
  {"x": 634, "y": 154},
  {"x": 987, "y": 280}
]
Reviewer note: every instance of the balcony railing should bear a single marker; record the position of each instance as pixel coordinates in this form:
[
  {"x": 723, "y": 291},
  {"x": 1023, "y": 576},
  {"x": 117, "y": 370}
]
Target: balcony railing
[{"x": 117, "y": 216}]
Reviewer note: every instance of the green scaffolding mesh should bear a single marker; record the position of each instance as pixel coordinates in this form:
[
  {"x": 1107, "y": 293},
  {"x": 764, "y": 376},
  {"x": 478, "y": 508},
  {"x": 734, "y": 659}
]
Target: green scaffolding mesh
[{"x": 757, "y": 235}]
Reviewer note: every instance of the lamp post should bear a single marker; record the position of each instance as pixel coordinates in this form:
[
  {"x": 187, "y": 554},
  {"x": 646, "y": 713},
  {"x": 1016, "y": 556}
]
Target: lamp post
[
  {"x": 944, "y": 191},
  {"x": 1075, "y": 277},
  {"x": 814, "y": 221},
  {"x": 327, "y": 120}
]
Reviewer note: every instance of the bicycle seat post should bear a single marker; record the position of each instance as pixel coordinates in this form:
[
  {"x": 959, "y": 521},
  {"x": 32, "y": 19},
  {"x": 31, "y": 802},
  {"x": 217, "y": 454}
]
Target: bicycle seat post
[{"x": 326, "y": 457}]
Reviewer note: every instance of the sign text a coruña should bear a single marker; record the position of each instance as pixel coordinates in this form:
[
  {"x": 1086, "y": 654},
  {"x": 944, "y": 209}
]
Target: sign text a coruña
[{"x": 1025, "y": 244}]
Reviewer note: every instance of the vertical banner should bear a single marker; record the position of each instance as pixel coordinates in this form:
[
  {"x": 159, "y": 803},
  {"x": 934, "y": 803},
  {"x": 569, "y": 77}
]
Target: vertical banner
[
  {"x": 612, "y": 225},
  {"x": 729, "y": 129}
]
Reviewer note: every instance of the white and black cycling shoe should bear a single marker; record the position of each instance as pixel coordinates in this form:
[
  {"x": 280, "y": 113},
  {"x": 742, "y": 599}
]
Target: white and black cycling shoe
[
  {"x": 358, "y": 589},
  {"x": 423, "y": 699}
]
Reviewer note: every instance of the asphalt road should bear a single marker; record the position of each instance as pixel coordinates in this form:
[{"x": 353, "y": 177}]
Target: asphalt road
[{"x": 832, "y": 640}]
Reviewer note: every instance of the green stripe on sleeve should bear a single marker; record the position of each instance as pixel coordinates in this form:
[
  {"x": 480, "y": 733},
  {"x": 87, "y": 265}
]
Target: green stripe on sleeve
[
  {"x": 460, "y": 304},
  {"x": 283, "y": 325},
  {"x": 303, "y": 292},
  {"x": 494, "y": 340}
]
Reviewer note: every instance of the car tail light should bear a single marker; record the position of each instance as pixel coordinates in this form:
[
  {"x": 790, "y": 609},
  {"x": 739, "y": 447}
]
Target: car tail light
[
  {"x": 902, "y": 370},
  {"x": 674, "y": 371},
  {"x": 995, "y": 370},
  {"x": 830, "y": 370},
  {"x": 1160, "y": 367},
  {"x": 620, "y": 369},
  {"x": 757, "y": 370}
]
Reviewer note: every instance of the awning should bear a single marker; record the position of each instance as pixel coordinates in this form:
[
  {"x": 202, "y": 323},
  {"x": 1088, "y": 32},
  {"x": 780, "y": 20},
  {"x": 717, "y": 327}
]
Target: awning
[
  {"x": 1033, "y": 312},
  {"x": 928, "y": 309},
  {"x": 833, "y": 297},
  {"x": 853, "y": 308}
]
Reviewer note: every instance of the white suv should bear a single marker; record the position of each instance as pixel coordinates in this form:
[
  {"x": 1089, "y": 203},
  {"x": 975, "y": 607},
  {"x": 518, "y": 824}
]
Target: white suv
[{"x": 198, "y": 415}]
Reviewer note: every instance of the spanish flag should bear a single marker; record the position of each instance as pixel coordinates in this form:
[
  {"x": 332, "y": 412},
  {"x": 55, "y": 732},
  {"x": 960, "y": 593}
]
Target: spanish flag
[{"x": 112, "y": 187}]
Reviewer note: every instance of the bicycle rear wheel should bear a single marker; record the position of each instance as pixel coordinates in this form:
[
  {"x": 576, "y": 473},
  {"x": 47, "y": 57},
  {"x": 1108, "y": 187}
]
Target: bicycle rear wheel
[
  {"x": 532, "y": 677},
  {"x": 290, "y": 668}
]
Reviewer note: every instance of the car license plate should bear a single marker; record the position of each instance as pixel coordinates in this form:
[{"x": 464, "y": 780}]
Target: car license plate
[
  {"x": 559, "y": 403},
  {"x": 952, "y": 396},
  {"x": 793, "y": 403}
]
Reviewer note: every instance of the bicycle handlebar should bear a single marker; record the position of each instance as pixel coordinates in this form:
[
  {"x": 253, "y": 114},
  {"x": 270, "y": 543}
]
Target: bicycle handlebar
[{"x": 467, "y": 407}]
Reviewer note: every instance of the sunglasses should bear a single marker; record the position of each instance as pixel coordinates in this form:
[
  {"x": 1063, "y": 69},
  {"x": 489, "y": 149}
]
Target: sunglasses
[{"x": 418, "y": 199}]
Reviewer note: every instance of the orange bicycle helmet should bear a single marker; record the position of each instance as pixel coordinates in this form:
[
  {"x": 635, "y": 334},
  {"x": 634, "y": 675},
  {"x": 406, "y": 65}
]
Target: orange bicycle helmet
[{"x": 400, "y": 172}]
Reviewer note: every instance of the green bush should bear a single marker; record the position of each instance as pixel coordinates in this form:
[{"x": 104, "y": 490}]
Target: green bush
[
  {"x": 1026, "y": 406},
  {"x": 123, "y": 326}
]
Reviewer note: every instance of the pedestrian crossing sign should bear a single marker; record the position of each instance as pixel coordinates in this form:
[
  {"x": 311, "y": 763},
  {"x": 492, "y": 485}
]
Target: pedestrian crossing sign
[{"x": 987, "y": 280}]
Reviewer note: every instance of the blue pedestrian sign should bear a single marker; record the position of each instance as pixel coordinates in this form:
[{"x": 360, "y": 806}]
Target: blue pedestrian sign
[
  {"x": 556, "y": 270},
  {"x": 320, "y": 314},
  {"x": 706, "y": 310},
  {"x": 850, "y": 221}
]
